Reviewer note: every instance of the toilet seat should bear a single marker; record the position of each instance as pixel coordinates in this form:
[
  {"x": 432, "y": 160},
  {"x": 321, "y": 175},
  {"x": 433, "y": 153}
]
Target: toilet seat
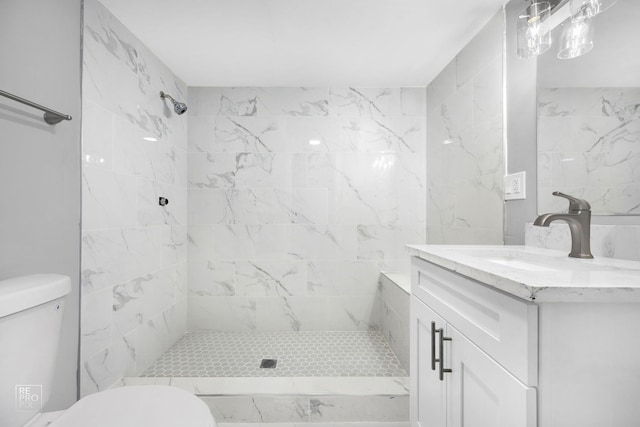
[{"x": 138, "y": 406}]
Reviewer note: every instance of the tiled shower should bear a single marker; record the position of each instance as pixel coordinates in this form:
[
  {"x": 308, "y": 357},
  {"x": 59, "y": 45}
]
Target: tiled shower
[{"x": 285, "y": 204}]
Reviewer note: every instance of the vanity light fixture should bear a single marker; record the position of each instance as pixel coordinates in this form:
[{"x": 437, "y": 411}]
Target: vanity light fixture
[
  {"x": 534, "y": 27},
  {"x": 534, "y": 35},
  {"x": 577, "y": 37},
  {"x": 591, "y": 7}
]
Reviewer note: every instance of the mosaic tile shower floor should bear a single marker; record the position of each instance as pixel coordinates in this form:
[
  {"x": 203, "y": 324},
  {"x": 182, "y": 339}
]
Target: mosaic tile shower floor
[{"x": 299, "y": 354}]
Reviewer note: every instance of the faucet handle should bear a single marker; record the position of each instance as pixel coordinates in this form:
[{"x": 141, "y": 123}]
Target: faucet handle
[{"x": 575, "y": 204}]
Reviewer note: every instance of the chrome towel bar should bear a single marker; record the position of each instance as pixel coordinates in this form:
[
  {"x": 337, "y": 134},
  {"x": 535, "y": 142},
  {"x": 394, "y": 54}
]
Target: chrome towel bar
[{"x": 50, "y": 116}]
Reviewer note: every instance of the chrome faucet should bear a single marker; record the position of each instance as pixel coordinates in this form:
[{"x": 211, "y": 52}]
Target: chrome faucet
[{"x": 579, "y": 220}]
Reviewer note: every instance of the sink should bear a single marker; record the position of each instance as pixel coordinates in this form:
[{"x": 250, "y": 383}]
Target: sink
[
  {"x": 533, "y": 259},
  {"x": 520, "y": 264}
]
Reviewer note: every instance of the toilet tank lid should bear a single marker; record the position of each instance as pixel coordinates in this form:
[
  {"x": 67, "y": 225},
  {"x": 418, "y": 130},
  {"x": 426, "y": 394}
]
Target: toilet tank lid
[{"x": 24, "y": 292}]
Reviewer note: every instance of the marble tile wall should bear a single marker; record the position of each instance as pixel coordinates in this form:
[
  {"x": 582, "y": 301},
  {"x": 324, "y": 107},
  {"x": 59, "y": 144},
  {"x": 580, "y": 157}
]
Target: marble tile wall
[
  {"x": 288, "y": 409},
  {"x": 134, "y": 150},
  {"x": 612, "y": 241},
  {"x": 589, "y": 147},
  {"x": 465, "y": 156},
  {"x": 298, "y": 198},
  {"x": 393, "y": 311}
]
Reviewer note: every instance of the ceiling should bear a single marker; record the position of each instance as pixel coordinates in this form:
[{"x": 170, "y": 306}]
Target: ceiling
[{"x": 307, "y": 43}]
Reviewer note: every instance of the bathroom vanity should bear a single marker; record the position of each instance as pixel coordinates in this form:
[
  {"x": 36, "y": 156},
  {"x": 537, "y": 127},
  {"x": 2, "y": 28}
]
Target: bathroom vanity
[{"x": 519, "y": 336}]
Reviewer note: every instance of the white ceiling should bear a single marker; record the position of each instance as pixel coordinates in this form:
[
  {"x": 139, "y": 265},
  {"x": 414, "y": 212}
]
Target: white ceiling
[{"x": 375, "y": 43}]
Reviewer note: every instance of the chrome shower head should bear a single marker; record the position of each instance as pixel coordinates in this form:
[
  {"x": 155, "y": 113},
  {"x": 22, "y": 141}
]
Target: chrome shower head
[{"x": 178, "y": 107}]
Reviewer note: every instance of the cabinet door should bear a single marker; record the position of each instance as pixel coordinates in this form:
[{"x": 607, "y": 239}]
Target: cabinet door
[
  {"x": 481, "y": 392},
  {"x": 428, "y": 393}
]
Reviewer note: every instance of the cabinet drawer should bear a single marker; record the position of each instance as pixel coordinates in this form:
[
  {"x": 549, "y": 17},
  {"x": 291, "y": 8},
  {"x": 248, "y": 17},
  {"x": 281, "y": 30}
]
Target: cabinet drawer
[{"x": 504, "y": 327}]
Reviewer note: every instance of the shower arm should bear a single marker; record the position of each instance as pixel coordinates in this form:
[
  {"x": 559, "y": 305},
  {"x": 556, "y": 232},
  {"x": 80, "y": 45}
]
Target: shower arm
[{"x": 166, "y": 95}]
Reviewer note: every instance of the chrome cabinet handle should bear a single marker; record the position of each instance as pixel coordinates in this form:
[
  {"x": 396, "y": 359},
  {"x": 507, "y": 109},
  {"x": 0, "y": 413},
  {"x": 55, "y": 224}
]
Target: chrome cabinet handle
[
  {"x": 443, "y": 370},
  {"x": 433, "y": 346}
]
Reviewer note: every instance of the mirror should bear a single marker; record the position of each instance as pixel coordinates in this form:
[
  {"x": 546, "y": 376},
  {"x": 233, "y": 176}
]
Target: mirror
[{"x": 588, "y": 112}]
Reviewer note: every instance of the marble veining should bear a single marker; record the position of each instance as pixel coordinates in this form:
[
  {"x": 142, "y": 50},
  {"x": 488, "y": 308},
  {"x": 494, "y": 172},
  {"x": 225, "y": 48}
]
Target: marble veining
[
  {"x": 291, "y": 191},
  {"x": 134, "y": 150},
  {"x": 539, "y": 275},
  {"x": 589, "y": 146},
  {"x": 465, "y": 153},
  {"x": 612, "y": 241}
]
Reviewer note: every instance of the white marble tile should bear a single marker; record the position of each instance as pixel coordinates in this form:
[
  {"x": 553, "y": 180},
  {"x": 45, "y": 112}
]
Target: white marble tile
[
  {"x": 262, "y": 170},
  {"x": 441, "y": 87},
  {"x": 222, "y": 313},
  {"x": 294, "y": 101},
  {"x": 211, "y": 278},
  {"x": 110, "y": 60},
  {"x": 114, "y": 256},
  {"x": 109, "y": 199},
  {"x": 236, "y": 102},
  {"x": 143, "y": 298},
  {"x": 292, "y": 313},
  {"x": 382, "y": 242},
  {"x": 282, "y": 386},
  {"x": 97, "y": 135},
  {"x": 203, "y": 101},
  {"x": 135, "y": 155},
  {"x": 327, "y": 134},
  {"x": 201, "y": 135},
  {"x": 105, "y": 368},
  {"x": 465, "y": 143},
  {"x": 367, "y": 408},
  {"x": 413, "y": 101},
  {"x": 231, "y": 242},
  {"x": 96, "y": 323},
  {"x": 173, "y": 244},
  {"x": 151, "y": 213},
  {"x": 275, "y": 278},
  {"x": 614, "y": 241},
  {"x": 370, "y": 102},
  {"x": 255, "y": 409},
  {"x": 258, "y": 204},
  {"x": 128, "y": 250},
  {"x": 241, "y": 135},
  {"x": 342, "y": 277},
  {"x": 181, "y": 168},
  {"x": 352, "y": 312},
  {"x": 157, "y": 334},
  {"x": 323, "y": 241},
  {"x": 599, "y": 158},
  {"x": 483, "y": 48},
  {"x": 321, "y": 424},
  {"x": 211, "y": 171}
]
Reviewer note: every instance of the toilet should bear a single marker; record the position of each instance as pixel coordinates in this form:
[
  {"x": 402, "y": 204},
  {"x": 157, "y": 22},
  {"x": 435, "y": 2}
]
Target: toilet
[{"x": 31, "y": 309}]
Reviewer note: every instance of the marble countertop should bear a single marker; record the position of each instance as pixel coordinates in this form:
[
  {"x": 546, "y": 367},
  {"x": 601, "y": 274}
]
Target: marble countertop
[{"x": 539, "y": 275}]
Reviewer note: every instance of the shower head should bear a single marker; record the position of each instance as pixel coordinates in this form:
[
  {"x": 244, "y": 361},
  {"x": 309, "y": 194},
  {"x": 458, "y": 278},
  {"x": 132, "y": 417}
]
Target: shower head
[{"x": 178, "y": 107}]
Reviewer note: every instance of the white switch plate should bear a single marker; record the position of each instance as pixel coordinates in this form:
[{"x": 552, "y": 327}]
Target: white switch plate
[{"x": 515, "y": 186}]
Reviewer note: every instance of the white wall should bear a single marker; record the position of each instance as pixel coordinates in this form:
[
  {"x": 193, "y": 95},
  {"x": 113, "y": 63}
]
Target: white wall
[{"x": 39, "y": 163}]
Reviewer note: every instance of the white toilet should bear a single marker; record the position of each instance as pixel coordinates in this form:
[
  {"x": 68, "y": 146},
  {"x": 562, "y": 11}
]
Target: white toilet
[{"x": 31, "y": 309}]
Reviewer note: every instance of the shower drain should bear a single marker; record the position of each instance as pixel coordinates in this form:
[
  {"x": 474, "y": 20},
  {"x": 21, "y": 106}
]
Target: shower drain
[{"x": 268, "y": 363}]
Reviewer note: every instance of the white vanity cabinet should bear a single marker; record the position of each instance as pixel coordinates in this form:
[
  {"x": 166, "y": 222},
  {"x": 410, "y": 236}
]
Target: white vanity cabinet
[
  {"x": 552, "y": 347},
  {"x": 455, "y": 382}
]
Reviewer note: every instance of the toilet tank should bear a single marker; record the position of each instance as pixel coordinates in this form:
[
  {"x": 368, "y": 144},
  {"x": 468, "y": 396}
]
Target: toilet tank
[{"x": 31, "y": 309}]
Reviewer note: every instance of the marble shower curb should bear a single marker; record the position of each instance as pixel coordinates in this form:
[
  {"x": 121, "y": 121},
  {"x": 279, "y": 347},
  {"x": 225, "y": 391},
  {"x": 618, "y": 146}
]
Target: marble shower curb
[{"x": 296, "y": 399}]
